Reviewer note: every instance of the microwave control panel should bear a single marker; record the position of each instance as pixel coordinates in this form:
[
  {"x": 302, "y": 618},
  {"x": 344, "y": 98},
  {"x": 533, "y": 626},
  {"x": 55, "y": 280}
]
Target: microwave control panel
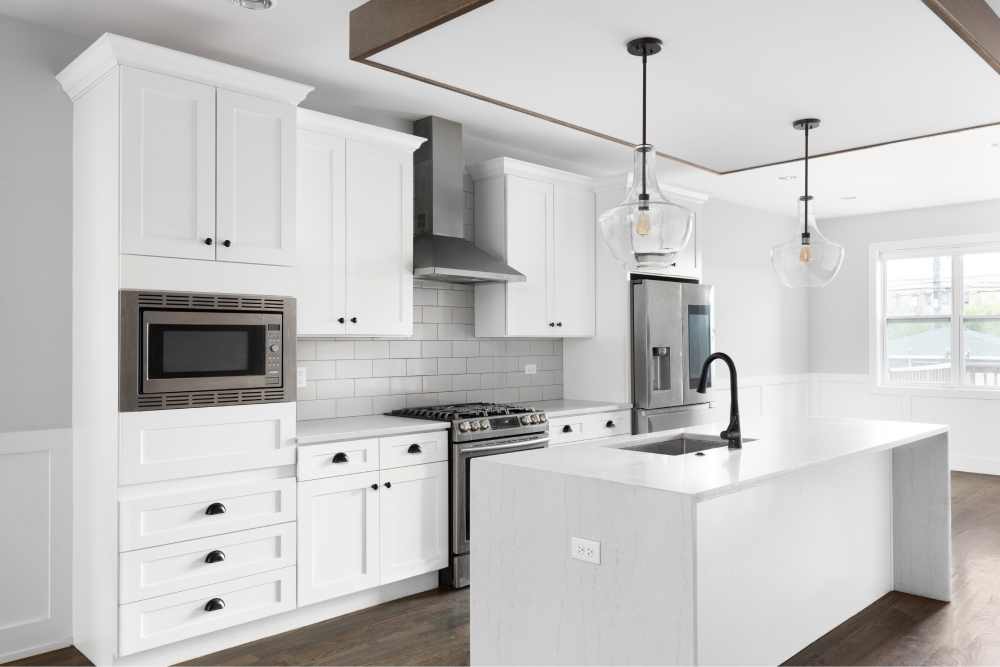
[{"x": 273, "y": 355}]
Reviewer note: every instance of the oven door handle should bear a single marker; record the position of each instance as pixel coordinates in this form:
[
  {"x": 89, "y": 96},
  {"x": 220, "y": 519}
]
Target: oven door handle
[{"x": 509, "y": 445}]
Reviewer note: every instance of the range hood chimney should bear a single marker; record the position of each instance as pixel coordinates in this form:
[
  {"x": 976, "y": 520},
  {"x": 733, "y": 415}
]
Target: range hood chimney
[{"x": 439, "y": 251}]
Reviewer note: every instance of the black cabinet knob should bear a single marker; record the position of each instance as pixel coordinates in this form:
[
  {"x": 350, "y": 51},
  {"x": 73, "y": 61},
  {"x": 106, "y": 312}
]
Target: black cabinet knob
[
  {"x": 354, "y": 320},
  {"x": 215, "y": 604},
  {"x": 215, "y": 508},
  {"x": 209, "y": 241},
  {"x": 552, "y": 324},
  {"x": 558, "y": 324},
  {"x": 567, "y": 429},
  {"x": 610, "y": 424},
  {"x": 215, "y": 557},
  {"x": 388, "y": 485},
  {"x": 341, "y": 320},
  {"x": 374, "y": 487},
  {"x": 227, "y": 243},
  {"x": 414, "y": 449},
  {"x": 340, "y": 457}
]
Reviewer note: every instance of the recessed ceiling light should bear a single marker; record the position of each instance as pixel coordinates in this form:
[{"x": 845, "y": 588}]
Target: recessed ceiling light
[
  {"x": 254, "y": 4},
  {"x": 790, "y": 177},
  {"x": 995, "y": 144},
  {"x": 849, "y": 197}
]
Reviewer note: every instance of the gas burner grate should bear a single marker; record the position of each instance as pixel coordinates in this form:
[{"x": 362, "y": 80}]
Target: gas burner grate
[{"x": 462, "y": 411}]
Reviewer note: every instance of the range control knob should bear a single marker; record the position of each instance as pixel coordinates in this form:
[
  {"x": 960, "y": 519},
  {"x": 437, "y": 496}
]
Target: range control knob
[
  {"x": 474, "y": 425},
  {"x": 542, "y": 418},
  {"x": 463, "y": 427},
  {"x": 525, "y": 419},
  {"x": 485, "y": 424}
]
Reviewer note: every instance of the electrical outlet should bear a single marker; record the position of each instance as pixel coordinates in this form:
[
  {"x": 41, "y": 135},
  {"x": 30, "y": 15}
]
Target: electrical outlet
[
  {"x": 589, "y": 551},
  {"x": 300, "y": 377},
  {"x": 530, "y": 369}
]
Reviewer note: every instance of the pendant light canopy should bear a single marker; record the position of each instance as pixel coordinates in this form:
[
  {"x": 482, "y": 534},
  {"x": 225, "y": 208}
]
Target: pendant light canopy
[
  {"x": 646, "y": 230},
  {"x": 812, "y": 260}
]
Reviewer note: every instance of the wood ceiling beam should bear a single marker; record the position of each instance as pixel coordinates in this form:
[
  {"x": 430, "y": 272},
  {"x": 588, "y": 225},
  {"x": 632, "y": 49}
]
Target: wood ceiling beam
[
  {"x": 379, "y": 24},
  {"x": 975, "y": 22}
]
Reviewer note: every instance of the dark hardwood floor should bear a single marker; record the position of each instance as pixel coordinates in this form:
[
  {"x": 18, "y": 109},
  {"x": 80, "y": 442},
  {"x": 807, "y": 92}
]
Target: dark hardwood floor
[{"x": 433, "y": 628}]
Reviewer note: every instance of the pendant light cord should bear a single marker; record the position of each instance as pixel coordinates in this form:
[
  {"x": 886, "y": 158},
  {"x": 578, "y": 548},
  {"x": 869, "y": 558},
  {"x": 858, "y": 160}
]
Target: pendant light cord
[
  {"x": 644, "y": 122},
  {"x": 805, "y": 221}
]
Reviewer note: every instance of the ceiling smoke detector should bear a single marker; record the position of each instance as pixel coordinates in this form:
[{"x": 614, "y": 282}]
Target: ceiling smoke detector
[{"x": 254, "y": 4}]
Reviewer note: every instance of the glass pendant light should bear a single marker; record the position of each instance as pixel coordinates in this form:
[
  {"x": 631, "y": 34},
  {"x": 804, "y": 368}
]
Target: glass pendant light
[
  {"x": 812, "y": 260},
  {"x": 646, "y": 230}
]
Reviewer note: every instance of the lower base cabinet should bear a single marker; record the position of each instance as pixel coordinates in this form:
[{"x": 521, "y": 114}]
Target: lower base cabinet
[{"x": 363, "y": 530}]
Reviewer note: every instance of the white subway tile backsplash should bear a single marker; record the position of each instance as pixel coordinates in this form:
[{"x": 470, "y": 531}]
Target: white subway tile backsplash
[{"x": 442, "y": 363}]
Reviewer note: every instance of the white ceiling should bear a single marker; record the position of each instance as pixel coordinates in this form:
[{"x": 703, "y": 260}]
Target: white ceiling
[{"x": 306, "y": 40}]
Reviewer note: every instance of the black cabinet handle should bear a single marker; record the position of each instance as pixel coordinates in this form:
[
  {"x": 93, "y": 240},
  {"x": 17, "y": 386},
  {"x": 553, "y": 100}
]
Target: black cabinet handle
[
  {"x": 209, "y": 241},
  {"x": 215, "y": 508},
  {"x": 388, "y": 485},
  {"x": 374, "y": 487},
  {"x": 567, "y": 429},
  {"x": 341, "y": 320},
  {"x": 610, "y": 424},
  {"x": 354, "y": 320},
  {"x": 414, "y": 449},
  {"x": 340, "y": 457},
  {"x": 227, "y": 243},
  {"x": 215, "y": 604},
  {"x": 215, "y": 557}
]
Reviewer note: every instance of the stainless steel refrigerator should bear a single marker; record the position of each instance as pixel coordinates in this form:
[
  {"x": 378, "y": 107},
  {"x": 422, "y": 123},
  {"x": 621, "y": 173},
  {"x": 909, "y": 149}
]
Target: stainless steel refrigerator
[{"x": 673, "y": 332}]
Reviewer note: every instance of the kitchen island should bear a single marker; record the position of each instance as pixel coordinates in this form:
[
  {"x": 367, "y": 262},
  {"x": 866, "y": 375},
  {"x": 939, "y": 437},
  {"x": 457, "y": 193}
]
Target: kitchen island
[{"x": 718, "y": 556}]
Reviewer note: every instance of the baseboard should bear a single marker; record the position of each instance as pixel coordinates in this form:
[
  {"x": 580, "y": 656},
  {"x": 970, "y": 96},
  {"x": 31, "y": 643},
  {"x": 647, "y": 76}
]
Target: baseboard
[
  {"x": 976, "y": 464},
  {"x": 35, "y": 650}
]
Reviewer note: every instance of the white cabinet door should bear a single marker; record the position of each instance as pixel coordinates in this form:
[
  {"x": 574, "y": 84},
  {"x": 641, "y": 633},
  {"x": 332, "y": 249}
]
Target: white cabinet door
[
  {"x": 529, "y": 229},
  {"x": 256, "y": 180},
  {"x": 167, "y": 166},
  {"x": 338, "y": 536},
  {"x": 379, "y": 241},
  {"x": 321, "y": 234},
  {"x": 572, "y": 262},
  {"x": 414, "y": 520}
]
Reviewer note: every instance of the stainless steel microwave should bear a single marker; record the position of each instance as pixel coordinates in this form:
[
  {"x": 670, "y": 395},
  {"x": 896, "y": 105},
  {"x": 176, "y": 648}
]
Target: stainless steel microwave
[{"x": 188, "y": 350}]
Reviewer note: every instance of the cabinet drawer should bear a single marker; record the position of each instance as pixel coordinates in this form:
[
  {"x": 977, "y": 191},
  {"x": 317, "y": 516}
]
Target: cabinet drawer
[
  {"x": 176, "y": 567},
  {"x": 170, "y": 618},
  {"x": 330, "y": 459},
  {"x": 171, "y": 444},
  {"x": 408, "y": 450},
  {"x": 576, "y": 428},
  {"x": 148, "y": 521}
]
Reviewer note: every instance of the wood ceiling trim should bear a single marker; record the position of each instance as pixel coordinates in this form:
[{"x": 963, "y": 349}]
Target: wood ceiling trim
[
  {"x": 378, "y": 25},
  {"x": 975, "y": 22}
]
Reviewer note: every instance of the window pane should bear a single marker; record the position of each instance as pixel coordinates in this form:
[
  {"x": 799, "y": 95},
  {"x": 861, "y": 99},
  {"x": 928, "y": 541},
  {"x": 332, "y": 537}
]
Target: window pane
[
  {"x": 918, "y": 287},
  {"x": 981, "y": 318},
  {"x": 918, "y": 351}
]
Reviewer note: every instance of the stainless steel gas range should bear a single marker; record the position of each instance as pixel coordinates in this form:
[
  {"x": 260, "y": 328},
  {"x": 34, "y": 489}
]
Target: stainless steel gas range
[{"x": 477, "y": 429}]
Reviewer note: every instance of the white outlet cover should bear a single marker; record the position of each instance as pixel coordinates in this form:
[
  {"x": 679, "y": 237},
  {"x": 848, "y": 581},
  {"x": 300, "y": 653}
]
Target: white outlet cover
[
  {"x": 300, "y": 377},
  {"x": 589, "y": 551},
  {"x": 530, "y": 369}
]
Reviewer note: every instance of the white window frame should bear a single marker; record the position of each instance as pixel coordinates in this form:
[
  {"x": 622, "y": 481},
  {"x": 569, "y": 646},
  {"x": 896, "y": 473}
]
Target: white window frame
[{"x": 950, "y": 246}]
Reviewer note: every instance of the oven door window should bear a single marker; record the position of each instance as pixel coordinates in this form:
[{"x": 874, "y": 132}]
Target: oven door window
[{"x": 177, "y": 351}]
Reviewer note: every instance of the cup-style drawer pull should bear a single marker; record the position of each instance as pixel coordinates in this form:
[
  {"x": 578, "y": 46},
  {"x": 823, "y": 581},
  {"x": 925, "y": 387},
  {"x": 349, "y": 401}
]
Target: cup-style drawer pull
[
  {"x": 567, "y": 429},
  {"x": 215, "y": 604},
  {"x": 340, "y": 457},
  {"x": 414, "y": 449},
  {"x": 215, "y": 508},
  {"x": 215, "y": 556},
  {"x": 610, "y": 424}
]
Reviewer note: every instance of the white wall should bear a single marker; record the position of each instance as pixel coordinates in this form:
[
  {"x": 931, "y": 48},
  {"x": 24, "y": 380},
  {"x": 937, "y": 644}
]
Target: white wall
[{"x": 36, "y": 215}]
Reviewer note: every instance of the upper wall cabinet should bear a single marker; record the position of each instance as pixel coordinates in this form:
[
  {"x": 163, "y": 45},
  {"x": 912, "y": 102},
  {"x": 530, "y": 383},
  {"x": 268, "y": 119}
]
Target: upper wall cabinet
[
  {"x": 540, "y": 221},
  {"x": 354, "y": 229},
  {"x": 206, "y": 153}
]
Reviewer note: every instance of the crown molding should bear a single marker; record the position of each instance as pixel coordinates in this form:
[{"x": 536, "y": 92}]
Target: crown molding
[
  {"x": 509, "y": 166},
  {"x": 110, "y": 51},
  {"x": 315, "y": 121}
]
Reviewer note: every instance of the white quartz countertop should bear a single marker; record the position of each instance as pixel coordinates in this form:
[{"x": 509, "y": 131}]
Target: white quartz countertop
[
  {"x": 568, "y": 407},
  {"x": 312, "y": 431},
  {"x": 780, "y": 448}
]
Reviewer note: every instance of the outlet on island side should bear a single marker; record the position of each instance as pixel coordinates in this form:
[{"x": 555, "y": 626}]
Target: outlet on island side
[
  {"x": 589, "y": 551},
  {"x": 530, "y": 369}
]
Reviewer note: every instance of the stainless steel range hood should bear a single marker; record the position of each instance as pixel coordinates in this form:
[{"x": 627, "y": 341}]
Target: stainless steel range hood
[{"x": 439, "y": 251}]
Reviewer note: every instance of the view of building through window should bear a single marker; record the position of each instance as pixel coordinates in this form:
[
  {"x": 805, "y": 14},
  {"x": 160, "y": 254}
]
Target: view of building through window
[{"x": 920, "y": 320}]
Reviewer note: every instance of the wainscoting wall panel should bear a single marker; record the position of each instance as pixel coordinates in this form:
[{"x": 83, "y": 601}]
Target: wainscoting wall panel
[{"x": 36, "y": 520}]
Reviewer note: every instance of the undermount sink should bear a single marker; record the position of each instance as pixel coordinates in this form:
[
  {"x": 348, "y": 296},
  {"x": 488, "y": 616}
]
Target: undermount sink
[{"x": 682, "y": 444}]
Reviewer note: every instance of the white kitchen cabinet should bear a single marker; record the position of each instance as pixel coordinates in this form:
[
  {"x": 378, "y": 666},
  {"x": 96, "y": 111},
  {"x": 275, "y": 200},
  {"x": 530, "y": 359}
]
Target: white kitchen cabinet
[
  {"x": 338, "y": 536},
  {"x": 540, "y": 221},
  {"x": 256, "y": 180},
  {"x": 355, "y": 228},
  {"x": 413, "y": 511},
  {"x": 168, "y": 166}
]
